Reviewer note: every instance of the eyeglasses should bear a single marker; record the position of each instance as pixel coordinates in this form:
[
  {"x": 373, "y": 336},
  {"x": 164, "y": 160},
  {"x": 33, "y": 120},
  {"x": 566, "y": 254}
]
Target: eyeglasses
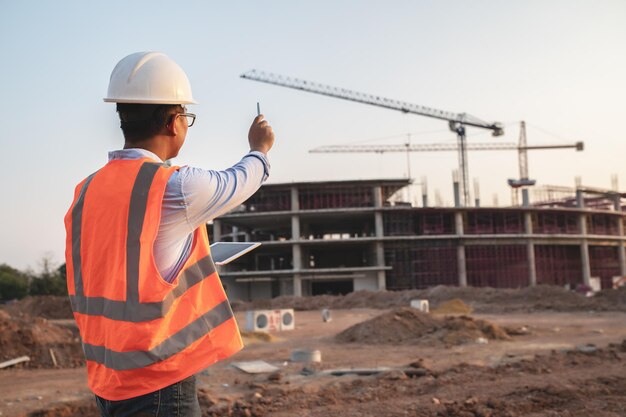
[{"x": 191, "y": 118}]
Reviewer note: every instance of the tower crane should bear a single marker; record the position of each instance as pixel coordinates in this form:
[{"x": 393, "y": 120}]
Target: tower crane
[
  {"x": 522, "y": 148},
  {"x": 524, "y": 181},
  {"x": 456, "y": 121}
]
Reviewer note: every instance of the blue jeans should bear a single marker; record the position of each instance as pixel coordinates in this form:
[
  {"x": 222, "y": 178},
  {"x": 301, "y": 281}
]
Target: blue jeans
[{"x": 177, "y": 400}]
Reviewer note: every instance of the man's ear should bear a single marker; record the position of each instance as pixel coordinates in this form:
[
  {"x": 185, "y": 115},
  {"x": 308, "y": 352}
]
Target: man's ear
[{"x": 171, "y": 127}]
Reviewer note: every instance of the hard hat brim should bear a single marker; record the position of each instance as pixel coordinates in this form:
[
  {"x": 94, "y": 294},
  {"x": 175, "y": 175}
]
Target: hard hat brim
[{"x": 142, "y": 101}]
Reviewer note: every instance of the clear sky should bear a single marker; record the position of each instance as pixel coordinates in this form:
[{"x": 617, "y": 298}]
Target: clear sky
[{"x": 558, "y": 65}]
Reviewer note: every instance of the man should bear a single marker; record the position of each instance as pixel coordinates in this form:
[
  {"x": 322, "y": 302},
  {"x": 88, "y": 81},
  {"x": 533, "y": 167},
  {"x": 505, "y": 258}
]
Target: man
[{"x": 147, "y": 299}]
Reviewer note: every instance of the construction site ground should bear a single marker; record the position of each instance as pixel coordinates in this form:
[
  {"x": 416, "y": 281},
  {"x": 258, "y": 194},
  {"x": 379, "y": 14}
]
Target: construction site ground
[{"x": 389, "y": 361}]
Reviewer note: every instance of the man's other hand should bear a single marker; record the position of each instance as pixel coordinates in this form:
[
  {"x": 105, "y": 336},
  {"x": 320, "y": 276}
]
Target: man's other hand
[{"x": 260, "y": 136}]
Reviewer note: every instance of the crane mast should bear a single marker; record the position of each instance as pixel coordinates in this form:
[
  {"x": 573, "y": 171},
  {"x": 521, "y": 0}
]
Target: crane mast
[{"x": 456, "y": 121}]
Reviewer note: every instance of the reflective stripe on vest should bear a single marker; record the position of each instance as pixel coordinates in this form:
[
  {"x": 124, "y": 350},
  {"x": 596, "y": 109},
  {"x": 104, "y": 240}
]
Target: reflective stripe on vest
[
  {"x": 139, "y": 359},
  {"x": 132, "y": 310}
]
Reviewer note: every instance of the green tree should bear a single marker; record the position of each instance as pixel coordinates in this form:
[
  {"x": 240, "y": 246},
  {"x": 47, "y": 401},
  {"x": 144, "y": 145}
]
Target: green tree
[
  {"x": 50, "y": 281},
  {"x": 13, "y": 283}
]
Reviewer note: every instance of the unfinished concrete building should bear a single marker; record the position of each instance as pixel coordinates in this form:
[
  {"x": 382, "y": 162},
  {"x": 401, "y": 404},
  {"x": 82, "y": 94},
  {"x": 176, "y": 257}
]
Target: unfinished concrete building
[{"x": 342, "y": 236}]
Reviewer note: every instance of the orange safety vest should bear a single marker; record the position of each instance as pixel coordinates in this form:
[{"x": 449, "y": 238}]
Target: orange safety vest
[{"x": 139, "y": 332}]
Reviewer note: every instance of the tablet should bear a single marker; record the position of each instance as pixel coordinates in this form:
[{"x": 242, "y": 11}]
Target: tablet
[{"x": 225, "y": 252}]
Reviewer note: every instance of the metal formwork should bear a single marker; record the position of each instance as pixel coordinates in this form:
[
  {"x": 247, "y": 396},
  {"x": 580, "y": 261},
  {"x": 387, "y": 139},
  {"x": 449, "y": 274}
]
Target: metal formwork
[
  {"x": 555, "y": 223},
  {"x": 558, "y": 265},
  {"x": 409, "y": 222},
  {"x": 598, "y": 224},
  {"x": 399, "y": 223},
  {"x": 497, "y": 266},
  {"x": 335, "y": 197},
  {"x": 604, "y": 262},
  {"x": 418, "y": 265},
  {"x": 435, "y": 223},
  {"x": 269, "y": 200},
  {"x": 494, "y": 222}
]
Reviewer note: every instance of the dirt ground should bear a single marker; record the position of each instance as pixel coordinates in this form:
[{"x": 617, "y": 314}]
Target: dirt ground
[{"x": 388, "y": 361}]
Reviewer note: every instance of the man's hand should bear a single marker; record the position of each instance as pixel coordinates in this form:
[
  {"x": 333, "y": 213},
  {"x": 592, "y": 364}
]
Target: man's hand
[{"x": 260, "y": 136}]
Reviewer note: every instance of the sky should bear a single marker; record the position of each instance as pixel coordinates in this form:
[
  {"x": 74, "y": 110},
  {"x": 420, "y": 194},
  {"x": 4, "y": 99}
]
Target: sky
[{"x": 558, "y": 65}]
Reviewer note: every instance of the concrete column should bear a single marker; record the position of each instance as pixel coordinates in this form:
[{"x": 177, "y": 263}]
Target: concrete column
[
  {"x": 295, "y": 203},
  {"x": 457, "y": 194},
  {"x": 617, "y": 205},
  {"x": 380, "y": 261},
  {"x": 378, "y": 224},
  {"x": 295, "y": 227},
  {"x": 297, "y": 285},
  {"x": 382, "y": 280},
  {"x": 584, "y": 257},
  {"x": 297, "y": 266},
  {"x": 297, "y": 257},
  {"x": 525, "y": 197},
  {"x": 530, "y": 250},
  {"x": 296, "y": 251},
  {"x": 460, "y": 250},
  {"x": 217, "y": 230},
  {"x": 584, "y": 245},
  {"x": 235, "y": 234},
  {"x": 380, "y": 233}
]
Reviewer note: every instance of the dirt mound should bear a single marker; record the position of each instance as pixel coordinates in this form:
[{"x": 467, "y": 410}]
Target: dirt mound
[
  {"x": 481, "y": 299},
  {"x": 410, "y": 326},
  {"x": 611, "y": 297},
  {"x": 46, "y": 306},
  {"x": 454, "y": 306},
  {"x": 40, "y": 340}
]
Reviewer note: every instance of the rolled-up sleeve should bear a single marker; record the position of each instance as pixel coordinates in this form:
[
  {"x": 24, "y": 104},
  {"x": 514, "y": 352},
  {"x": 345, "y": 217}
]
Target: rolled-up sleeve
[{"x": 208, "y": 194}]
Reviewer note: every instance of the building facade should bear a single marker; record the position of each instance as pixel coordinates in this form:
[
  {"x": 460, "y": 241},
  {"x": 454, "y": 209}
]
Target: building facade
[{"x": 338, "y": 237}]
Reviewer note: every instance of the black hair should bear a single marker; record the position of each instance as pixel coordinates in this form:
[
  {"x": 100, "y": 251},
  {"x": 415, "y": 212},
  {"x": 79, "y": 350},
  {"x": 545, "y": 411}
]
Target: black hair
[{"x": 143, "y": 121}]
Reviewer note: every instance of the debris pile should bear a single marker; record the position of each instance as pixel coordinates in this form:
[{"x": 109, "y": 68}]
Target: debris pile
[
  {"x": 46, "y": 306},
  {"x": 410, "y": 326},
  {"x": 46, "y": 344},
  {"x": 480, "y": 299}
]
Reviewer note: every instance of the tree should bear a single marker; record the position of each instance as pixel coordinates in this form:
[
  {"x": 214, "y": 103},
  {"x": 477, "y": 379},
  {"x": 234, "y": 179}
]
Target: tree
[
  {"x": 13, "y": 283},
  {"x": 50, "y": 281}
]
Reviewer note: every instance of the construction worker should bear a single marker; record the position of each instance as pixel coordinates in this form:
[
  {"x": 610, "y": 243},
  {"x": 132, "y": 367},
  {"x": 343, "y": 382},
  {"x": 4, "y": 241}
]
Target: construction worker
[{"x": 144, "y": 290}]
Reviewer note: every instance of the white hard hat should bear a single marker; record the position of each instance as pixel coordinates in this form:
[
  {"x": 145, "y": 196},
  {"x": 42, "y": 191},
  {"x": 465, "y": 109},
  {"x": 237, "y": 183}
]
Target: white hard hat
[{"x": 149, "y": 78}]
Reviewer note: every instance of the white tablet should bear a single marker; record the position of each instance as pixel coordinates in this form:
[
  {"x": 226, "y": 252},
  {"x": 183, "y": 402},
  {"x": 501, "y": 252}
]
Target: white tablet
[{"x": 225, "y": 252}]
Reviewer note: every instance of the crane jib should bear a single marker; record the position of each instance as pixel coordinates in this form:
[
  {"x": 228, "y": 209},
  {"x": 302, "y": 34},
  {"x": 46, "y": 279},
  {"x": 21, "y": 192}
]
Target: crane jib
[{"x": 327, "y": 90}]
